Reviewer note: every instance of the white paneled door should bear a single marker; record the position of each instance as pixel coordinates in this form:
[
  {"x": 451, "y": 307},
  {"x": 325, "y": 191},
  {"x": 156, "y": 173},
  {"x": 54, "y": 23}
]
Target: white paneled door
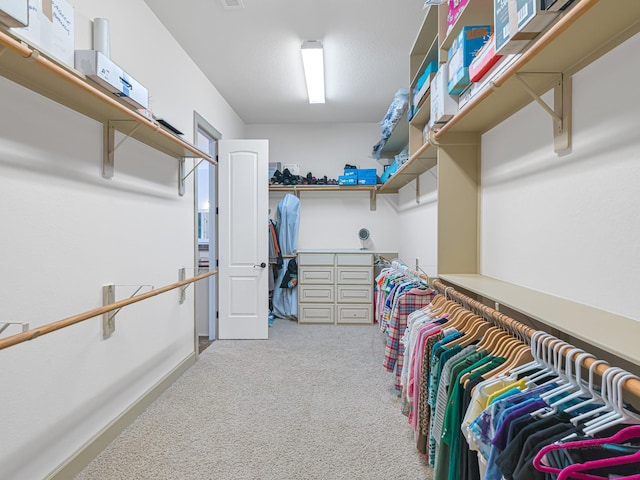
[{"x": 243, "y": 209}]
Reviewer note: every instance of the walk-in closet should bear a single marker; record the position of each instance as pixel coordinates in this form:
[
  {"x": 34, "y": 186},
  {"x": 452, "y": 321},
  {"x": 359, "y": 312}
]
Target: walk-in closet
[{"x": 416, "y": 259}]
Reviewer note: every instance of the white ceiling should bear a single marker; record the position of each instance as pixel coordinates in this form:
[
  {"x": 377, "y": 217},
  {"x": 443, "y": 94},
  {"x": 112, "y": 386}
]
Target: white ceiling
[{"x": 252, "y": 55}]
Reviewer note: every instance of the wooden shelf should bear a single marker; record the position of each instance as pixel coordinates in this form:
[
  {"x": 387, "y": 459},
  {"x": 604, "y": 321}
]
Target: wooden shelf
[
  {"x": 398, "y": 139},
  {"x": 584, "y": 33},
  {"x": 425, "y": 46},
  {"x": 596, "y": 327},
  {"x": 33, "y": 70},
  {"x": 418, "y": 163}
]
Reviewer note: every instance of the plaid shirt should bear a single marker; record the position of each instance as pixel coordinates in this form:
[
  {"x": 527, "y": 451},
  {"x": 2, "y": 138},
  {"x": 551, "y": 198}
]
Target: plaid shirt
[{"x": 406, "y": 303}]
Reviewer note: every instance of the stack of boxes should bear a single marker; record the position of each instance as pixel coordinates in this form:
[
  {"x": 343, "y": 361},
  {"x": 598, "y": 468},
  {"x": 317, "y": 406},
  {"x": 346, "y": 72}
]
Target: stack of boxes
[
  {"x": 358, "y": 176},
  {"x": 477, "y": 50}
]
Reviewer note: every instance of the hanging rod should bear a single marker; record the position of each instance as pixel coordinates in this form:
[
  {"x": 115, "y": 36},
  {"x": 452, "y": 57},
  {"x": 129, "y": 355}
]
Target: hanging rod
[
  {"x": 66, "y": 322},
  {"x": 632, "y": 385}
]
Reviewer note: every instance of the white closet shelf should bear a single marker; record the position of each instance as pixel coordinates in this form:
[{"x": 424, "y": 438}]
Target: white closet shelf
[
  {"x": 608, "y": 331},
  {"x": 421, "y": 161},
  {"x": 584, "y": 33},
  {"x": 321, "y": 188},
  {"x": 398, "y": 139},
  {"x": 28, "y": 67}
]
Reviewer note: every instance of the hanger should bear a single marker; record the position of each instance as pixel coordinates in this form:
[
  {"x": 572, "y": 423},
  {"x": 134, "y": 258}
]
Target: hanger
[
  {"x": 604, "y": 396},
  {"x": 590, "y": 389},
  {"x": 575, "y": 382},
  {"x": 535, "y": 345},
  {"x": 574, "y": 470},
  {"x": 619, "y": 414}
]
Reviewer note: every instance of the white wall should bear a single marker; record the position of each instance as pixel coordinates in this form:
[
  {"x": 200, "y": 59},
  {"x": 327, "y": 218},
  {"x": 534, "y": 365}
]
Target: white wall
[
  {"x": 332, "y": 219},
  {"x": 67, "y": 232},
  {"x": 570, "y": 225},
  {"x": 418, "y": 223}
]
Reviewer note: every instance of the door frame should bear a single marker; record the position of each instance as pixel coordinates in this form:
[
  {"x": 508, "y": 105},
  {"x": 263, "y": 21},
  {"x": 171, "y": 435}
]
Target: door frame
[{"x": 200, "y": 124}]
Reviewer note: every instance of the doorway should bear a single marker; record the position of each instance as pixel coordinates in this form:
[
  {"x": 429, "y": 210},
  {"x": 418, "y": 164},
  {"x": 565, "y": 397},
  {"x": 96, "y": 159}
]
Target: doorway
[{"x": 206, "y": 139}]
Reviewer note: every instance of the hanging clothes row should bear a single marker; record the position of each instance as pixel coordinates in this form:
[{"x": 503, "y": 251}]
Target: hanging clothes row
[
  {"x": 397, "y": 293},
  {"x": 485, "y": 394}
]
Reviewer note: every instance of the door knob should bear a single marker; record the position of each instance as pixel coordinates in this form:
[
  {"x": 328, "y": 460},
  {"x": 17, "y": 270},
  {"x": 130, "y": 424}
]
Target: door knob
[{"x": 262, "y": 265}]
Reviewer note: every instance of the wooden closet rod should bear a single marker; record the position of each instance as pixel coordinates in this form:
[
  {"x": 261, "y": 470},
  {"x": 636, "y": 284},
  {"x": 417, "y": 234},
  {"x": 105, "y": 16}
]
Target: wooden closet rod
[
  {"x": 52, "y": 327},
  {"x": 34, "y": 56},
  {"x": 631, "y": 385}
]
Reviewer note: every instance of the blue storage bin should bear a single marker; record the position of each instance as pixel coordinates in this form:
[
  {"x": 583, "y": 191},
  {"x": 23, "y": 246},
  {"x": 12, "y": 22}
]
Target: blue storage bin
[{"x": 347, "y": 180}]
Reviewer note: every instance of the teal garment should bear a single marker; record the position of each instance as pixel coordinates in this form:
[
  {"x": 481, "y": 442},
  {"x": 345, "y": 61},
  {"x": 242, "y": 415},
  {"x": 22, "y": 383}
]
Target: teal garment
[
  {"x": 508, "y": 393},
  {"x": 483, "y": 366},
  {"x": 442, "y": 456}
]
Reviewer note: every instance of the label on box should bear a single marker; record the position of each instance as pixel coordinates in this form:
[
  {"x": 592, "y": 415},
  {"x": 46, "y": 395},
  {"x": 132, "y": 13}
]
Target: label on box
[{"x": 484, "y": 60}]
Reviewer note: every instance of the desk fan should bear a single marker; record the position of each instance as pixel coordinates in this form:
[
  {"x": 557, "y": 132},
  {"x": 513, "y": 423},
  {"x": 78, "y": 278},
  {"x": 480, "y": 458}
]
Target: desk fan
[{"x": 363, "y": 234}]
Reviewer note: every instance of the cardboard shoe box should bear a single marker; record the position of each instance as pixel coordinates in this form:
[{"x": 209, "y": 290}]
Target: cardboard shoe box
[
  {"x": 443, "y": 105},
  {"x": 14, "y": 13},
  {"x": 50, "y": 29},
  {"x": 110, "y": 76},
  {"x": 463, "y": 50}
]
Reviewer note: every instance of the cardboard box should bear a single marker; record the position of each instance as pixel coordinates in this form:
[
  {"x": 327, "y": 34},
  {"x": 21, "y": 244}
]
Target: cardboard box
[
  {"x": 424, "y": 84},
  {"x": 505, "y": 44},
  {"x": 484, "y": 60},
  {"x": 517, "y": 22},
  {"x": 14, "y": 13},
  {"x": 527, "y": 19},
  {"x": 462, "y": 52},
  {"x": 51, "y": 29},
  {"x": 456, "y": 7},
  {"x": 110, "y": 76},
  {"x": 443, "y": 105}
]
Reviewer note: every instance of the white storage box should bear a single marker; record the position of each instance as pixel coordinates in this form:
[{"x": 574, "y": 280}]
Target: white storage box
[
  {"x": 443, "y": 105},
  {"x": 50, "y": 29},
  {"x": 14, "y": 13},
  {"x": 106, "y": 73}
]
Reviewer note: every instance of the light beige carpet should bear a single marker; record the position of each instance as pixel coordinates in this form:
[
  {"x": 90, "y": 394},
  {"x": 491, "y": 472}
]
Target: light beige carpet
[{"x": 312, "y": 402}]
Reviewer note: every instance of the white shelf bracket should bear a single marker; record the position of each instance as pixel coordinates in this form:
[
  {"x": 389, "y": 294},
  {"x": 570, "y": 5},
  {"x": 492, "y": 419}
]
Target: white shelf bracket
[
  {"x": 23, "y": 325},
  {"x": 110, "y": 147},
  {"x": 561, "y": 111},
  {"x": 373, "y": 199},
  {"x": 3, "y": 48},
  {"x": 418, "y": 189}
]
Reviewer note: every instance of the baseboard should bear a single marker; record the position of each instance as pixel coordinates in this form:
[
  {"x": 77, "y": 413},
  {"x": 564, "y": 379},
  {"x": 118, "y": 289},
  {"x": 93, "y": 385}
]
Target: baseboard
[{"x": 78, "y": 461}]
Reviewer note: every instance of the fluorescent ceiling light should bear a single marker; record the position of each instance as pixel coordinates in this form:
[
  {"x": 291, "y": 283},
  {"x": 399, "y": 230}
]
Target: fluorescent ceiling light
[{"x": 313, "y": 63}]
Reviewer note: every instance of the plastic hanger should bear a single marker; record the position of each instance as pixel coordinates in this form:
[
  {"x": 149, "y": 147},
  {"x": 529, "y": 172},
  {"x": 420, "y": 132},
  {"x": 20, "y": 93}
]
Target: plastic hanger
[
  {"x": 608, "y": 374},
  {"x": 536, "y": 362},
  {"x": 619, "y": 414},
  {"x": 590, "y": 390},
  {"x": 573, "y": 470},
  {"x": 548, "y": 358}
]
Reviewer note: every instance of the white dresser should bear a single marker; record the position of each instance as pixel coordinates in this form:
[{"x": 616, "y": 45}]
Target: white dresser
[{"x": 335, "y": 286}]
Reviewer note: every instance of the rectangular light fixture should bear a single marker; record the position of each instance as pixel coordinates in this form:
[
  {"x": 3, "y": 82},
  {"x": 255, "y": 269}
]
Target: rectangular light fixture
[{"x": 313, "y": 63}]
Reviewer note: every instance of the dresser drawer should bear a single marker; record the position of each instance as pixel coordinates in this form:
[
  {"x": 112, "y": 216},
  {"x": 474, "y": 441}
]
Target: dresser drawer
[
  {"x": 357, "y": 259},
  {"x": 315, "y": 259},
  {"x": 315, "y": 275},
  {"x": 315, "y": 313},
  {"x": 355, "y": 294},
  {"x": 355, "y": 275},
  {"x": 355, "y": 314},
  {"x": 316, "y": 293}
]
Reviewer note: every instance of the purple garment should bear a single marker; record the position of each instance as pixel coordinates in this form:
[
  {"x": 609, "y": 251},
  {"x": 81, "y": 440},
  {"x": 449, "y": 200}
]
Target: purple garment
[{"x": 501, "y": 436}]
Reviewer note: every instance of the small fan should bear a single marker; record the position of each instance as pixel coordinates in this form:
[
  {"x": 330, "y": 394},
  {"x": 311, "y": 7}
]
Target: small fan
[{"x": 363, "y": 234}]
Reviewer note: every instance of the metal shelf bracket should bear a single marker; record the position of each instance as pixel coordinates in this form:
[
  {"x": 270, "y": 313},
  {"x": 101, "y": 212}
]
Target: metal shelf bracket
[
  {"x": 183, "y": 290},
  {"x": 561, "y": 111},
  {"x": 108, "y": 298},
  {"x": 418, "y": 189},
  {"x": 110, "y": 147},
  {"x": 373, "y": 200},
  {"x": 182, "y": 176},
  {"x": 4, "y": 325}
]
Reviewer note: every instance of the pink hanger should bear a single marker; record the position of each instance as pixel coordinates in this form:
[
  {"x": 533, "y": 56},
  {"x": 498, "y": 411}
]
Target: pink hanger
[{"x": 623, "y": 435}]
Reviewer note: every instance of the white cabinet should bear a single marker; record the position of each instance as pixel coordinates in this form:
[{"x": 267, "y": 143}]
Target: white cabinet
[{"x": 335, "y": 287}]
